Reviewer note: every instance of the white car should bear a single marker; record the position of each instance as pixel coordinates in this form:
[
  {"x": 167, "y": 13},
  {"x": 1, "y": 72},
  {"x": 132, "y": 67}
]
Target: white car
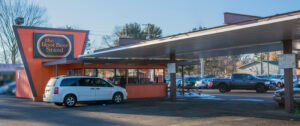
[
  {"x": 279, "y": 79},
  {"x": 69, "y": 90}
]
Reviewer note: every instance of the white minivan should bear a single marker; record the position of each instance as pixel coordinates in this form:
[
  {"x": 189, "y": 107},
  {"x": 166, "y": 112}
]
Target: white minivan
[{"x": 68, "y": 90}]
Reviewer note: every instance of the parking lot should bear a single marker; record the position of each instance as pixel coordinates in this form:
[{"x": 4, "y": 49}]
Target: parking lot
[{"x": 239, "y": 107}]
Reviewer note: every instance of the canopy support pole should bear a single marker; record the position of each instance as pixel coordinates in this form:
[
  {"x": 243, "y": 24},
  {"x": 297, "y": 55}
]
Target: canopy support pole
[
  {"x": 288, "y": 78},
  {"x": 182, "y": 79},
  {"x": 173, "y": 80}
]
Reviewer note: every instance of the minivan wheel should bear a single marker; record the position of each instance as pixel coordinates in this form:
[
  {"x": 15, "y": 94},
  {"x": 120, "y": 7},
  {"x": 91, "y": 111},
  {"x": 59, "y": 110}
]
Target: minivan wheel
[
  {"x": 281, "y": 105},
  {"x": 70, "y": 101},
  {"x": 118, "y": 98},
  {"x": 260, "y": 88},
  {"x": 223, "y": 88},
  {"x": 58, "y": 104}
]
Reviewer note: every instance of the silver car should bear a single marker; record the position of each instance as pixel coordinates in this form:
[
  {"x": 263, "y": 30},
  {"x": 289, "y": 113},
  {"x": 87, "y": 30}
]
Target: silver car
[{"x": 279, "y": 94}]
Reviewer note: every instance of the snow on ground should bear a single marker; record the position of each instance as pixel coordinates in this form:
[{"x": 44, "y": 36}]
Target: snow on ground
[{"x": 198, "y": 94}]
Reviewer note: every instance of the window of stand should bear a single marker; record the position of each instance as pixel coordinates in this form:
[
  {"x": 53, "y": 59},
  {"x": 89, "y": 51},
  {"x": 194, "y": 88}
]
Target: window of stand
[
  {"x": 120, "y": 76},
  {"x": 146, "y": 76},
  {"x": 107, "y": 74},
  {"x": 135, "y": 76},
  {"x": 90, "y": 72},
  {"x": 74, "y": 72},
  {"x": 159, "y": 76}
]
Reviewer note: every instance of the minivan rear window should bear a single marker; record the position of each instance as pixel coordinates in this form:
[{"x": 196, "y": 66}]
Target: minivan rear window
[{"x": 51, "y": 82}]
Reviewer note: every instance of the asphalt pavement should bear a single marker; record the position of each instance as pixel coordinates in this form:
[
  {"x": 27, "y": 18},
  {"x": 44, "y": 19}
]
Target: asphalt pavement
[{"x": 209, "y": 107}]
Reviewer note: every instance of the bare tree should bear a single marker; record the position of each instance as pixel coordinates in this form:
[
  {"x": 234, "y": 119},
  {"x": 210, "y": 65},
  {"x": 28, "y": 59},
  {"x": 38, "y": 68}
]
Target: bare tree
[
  {"x": 110, "y": 40},
  {"x": 33, "y": 15}
]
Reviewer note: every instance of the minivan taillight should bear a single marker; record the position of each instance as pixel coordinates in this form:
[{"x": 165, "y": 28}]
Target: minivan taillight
[{"x": 56, "y": 90}]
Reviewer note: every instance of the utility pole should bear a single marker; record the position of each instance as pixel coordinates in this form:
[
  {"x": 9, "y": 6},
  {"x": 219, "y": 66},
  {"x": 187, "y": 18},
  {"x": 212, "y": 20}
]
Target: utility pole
[{"x": 148, "y": 31}]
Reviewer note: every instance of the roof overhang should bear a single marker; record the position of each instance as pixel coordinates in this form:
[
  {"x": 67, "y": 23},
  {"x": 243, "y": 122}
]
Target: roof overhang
[
  {"x": 116, "y": 61},
  {"x": 228, "y": 40}
]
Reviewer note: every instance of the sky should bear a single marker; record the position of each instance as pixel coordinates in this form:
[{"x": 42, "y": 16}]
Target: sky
[{"x": 172, "y": 16}]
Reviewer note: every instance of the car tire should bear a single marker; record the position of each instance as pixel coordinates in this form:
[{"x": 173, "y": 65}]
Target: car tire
[
  {"x": 70, "y": 100},
  {"x": 260, "y": 88},
  {"x": 58, "y": 104},
  {"x": 223, "y": 88},
  {"x": 279, "y": 84},
  {"x": 117, "y": 98},
  {"x": 281, "y": 105},
  {"x": 228, "y": 90}
]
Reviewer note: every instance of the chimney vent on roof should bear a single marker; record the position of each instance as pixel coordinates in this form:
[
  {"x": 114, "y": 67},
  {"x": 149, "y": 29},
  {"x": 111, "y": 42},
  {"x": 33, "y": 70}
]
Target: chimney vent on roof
[
  {"x": 233, "y": 18},
  {"x": 129, "y": 41}
]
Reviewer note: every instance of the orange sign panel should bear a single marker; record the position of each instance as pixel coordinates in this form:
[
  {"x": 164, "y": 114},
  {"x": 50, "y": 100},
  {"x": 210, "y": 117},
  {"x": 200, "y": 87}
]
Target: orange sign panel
[{"x": 37, "y": 45}]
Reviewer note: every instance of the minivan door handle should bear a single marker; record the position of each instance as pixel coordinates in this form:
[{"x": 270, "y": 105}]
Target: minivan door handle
[
  {"x": 92, "y": 88},
  {"x": 98, "y": 88}
]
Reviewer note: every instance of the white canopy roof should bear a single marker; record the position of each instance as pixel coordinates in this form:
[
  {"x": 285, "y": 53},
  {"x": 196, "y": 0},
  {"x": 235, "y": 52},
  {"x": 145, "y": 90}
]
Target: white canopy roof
[{"x": 259, "y": 36}]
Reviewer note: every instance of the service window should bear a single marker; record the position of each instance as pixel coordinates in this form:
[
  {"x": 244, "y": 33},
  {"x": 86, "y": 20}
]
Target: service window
[
  {"x": 74, "y": 72},
  {"x": 69, "y": 82},
  {"x": 133, "y": 76},
  {"x": 101, "y": 83},
  {"x": 107, "y": 74},
  {"x": 120, "y": 76},
  {"x": 86, "y": 82},
  {"x": 146, "y": 76},
  {"x": 90, "y": 72},
  {"x": 159, "y": 75}
]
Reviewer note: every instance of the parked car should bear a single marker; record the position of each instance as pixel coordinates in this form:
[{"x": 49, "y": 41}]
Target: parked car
[
  {"x": 5, "y": 82},
  {"x": 203, "y": 83},
  {"x": 210, "y": 84},
  {"x": 208, "y": 76},
  {"x": 11, "y": 87},
  {"x": 273, "y": 84},
  {"x": 263, "y": 76},
  {"x": 279, "y": 79},
  {"x": 69, "y": 90},
  {"x": 279, "y": 94},
  {"x": 190, "y": 81},
  {"x": 8, "y": 88},
  {"x": 3, "y": 90},
  {"x": 178, "y": 83},
  {"x": 242, "y": 81}
]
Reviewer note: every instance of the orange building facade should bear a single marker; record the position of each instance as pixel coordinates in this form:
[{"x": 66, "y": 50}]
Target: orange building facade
[{"x": 48, "y": 52}]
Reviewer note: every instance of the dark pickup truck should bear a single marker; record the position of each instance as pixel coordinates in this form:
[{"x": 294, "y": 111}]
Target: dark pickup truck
[{"x": 241, "y": 81}]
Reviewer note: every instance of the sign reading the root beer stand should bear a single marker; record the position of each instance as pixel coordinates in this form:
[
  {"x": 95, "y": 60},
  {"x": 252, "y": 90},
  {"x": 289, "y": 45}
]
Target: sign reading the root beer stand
[{"x": 53, "y": 45}]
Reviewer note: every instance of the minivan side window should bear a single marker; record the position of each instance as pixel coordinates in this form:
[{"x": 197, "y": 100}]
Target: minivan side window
[
  {"x": 69, "y": 82},
  {"x": 101, "y": 83},
  {"x": 86, "y": 82}
]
